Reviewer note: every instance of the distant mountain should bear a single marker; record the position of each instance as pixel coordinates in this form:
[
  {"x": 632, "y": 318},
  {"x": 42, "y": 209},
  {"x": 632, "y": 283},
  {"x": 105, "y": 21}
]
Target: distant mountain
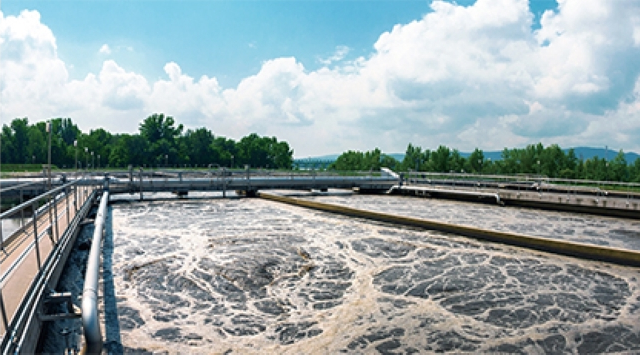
[
  {"x": 588, "y": 153},
  {"x": 581, "y": 152},
  {"x": 331, "y": 157}
]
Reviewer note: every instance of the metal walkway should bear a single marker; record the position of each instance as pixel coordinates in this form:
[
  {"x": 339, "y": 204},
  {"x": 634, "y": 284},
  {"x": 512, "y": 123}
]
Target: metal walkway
[{"x": 29, "y": 257}]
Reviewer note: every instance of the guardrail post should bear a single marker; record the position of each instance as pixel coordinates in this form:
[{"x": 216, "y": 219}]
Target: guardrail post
[
  {"x": 140, "y": 184},
  {"x": 246, "y": 166},
  {"x": 50, "y": 211},
  {"x": 35, "y": 233},
  {"x": 224, "y": 182},
  {"x": 22, "y": 210},
  {"x": 66, "y": 195},
  {"x": 55, "y": 213},
  {"x": 5, "y": 321}
]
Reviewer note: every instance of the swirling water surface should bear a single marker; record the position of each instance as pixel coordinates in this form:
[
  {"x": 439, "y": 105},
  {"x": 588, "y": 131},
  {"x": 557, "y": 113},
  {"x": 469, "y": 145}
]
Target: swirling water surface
[{"x": 254, "y": 276}]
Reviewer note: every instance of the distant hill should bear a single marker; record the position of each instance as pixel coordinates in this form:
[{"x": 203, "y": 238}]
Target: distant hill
[
  {"x": 332, "y": 157},
  {"x": 581, "y": 152},
  {"x": 588, "y": 153}
]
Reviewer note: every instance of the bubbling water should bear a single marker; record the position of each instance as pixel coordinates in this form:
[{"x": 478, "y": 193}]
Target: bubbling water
[{"x": 254, "y": 276}]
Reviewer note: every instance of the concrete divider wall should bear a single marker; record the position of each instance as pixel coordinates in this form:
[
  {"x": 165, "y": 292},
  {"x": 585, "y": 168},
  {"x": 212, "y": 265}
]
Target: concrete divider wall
[{"x": 586, "y": 251}]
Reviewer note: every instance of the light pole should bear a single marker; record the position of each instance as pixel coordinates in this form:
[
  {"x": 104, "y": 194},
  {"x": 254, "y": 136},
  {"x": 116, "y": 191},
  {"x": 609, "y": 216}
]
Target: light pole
[
  {"x": 166, "y": 160},
  {"x": 231, "y": 161},
  {"x": 98, "y": 161},
  {"x": 93, "y": 161},
  {"x": 75, "y": 144},
  {"x": 49, "y": 156},
  {"x": 86, "y": 158}
]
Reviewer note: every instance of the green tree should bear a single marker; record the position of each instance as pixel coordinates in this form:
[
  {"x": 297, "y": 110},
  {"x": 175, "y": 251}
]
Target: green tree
[
  {"x": 440, "y": 159},
  {"x": 199, "y": 144},
  {"x": 457, "y": 161},
  {"x": 161, "y": 136},
  {"x": 634, "y": 171},
  {"x": 617, "y": 169},
  {"x": 476, "y": 161},
  {"x": 349, "y": 160},
  {"x": 20, "y": 141},
  {"x": 389, "y": 162},
  {"x": 128, "y": 150},
  {"x": 226, "y": 150}
]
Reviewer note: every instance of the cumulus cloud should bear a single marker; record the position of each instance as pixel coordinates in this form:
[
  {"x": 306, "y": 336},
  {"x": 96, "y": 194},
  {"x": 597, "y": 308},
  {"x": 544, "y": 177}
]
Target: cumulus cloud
[{"x": 464, "y": 76}]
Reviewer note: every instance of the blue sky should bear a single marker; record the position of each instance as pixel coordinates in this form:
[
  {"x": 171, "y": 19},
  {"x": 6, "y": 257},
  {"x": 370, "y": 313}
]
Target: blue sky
[
  {"x": 334, "y": 75},
  {"x": 226, "y": 39}
]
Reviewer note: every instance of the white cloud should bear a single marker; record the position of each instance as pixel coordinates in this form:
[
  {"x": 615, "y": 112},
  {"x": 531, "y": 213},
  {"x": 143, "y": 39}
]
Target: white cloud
[
  {"x": 339, "y": 54},
  {"x": 475, "y": 76},
  {"x": 105, "y": 49}
]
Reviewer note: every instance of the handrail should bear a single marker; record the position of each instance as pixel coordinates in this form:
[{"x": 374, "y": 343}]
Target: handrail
[
  {"x": 525, "y": 177},
  {"x": 21, "y": 324},
  {"x": 90, "y": 316},
  {"x": 17, "y": 187},
  {"x": 28, "y": 203}
]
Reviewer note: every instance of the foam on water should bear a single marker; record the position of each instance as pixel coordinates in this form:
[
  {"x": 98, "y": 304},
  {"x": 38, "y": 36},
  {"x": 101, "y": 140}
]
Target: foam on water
[
  {"x": 253, "y": 276},
  {"x": 615, "y": 232}
]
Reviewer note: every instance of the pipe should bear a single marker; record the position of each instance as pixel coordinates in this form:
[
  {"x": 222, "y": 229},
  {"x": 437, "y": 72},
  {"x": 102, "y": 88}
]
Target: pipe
[{"x": 90, "y": 316}]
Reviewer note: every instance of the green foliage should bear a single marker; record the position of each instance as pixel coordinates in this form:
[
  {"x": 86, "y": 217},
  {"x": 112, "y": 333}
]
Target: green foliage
[
  {"x": 160, "y": 142},
  {"x": 536, "y": 159},
  {"x": 264, "y": 152},
  {"x": 371, "y": 160}
]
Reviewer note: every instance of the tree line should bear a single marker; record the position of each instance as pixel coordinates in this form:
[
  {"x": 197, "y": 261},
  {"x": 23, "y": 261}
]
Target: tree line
[
  {"x": 535, "y": 159},
  {"x": 160, "y": 142}
]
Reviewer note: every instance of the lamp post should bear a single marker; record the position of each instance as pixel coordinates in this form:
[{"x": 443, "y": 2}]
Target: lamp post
[
  {"x": 98, "y": 161},
  {"x": 166, "y": 160},
  {"x": 231, "y": 161},
  {"x": 93, "y": 161},
  {"x": 75, "y": 144},
  {"x": 49, "y": 156},
  {"x": 86, "y": 158}
]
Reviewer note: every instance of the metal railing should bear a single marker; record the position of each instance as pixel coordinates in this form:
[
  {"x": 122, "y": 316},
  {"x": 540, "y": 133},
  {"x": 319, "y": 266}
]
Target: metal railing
[
  {"x": 38, "y": 230},
  {"x": 538, "y": 181}
]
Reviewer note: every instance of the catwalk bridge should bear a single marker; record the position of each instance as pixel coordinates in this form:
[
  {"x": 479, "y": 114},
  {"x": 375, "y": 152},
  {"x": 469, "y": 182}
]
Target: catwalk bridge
[{"x": 38, "y": 232}]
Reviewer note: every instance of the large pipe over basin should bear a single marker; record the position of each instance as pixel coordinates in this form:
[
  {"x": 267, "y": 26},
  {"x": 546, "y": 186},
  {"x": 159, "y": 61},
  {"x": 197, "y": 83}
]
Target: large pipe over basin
[{"x": 90, "y": 316}]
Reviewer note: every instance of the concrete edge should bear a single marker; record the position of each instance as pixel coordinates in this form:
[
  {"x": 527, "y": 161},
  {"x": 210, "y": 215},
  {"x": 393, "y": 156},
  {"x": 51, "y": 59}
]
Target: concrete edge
[{"x": 584, "y": 251}]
